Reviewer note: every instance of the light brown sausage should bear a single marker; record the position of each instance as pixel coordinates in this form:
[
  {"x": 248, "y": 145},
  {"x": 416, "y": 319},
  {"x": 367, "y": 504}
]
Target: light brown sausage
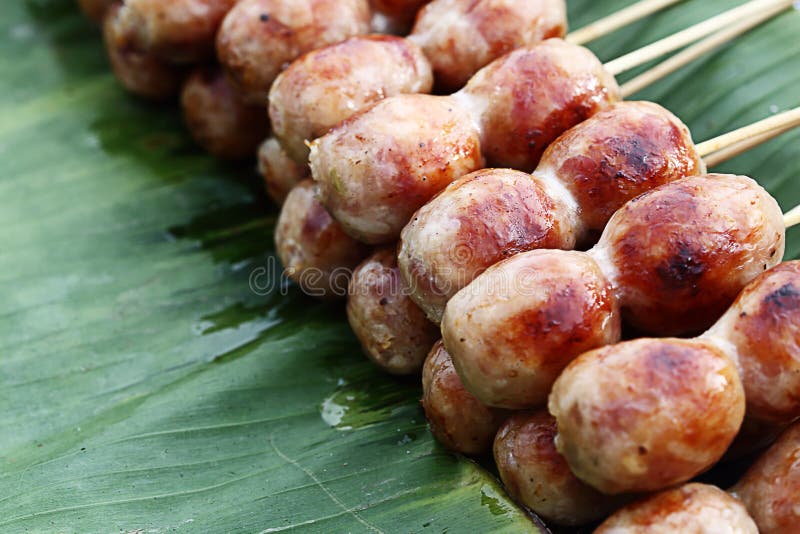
[{"x": 280, "y": 172}]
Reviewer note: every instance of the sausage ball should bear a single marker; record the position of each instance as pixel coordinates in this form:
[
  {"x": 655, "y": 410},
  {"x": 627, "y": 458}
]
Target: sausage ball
[
  {"x": 218, "y": 119},
  {"x": 478, "y": 220},
  {"x": 618, "y": 154},
  {"x": 280, "y": 172},
  {"x": 95, "y": 9},
  {"x": 646, "y": 414},
  {"x": 688, "y": 509},
  {"x": 315, "y": 252},
  {"x": 377, "y": 168},
  {"x": 140, "y": 72},
  {"x": 515, "y": 327},
  {"x": 392, "y": 330},
  {"x": 538, "y": 477},
  {"x": 457, "y": 419},
  {"x": 258, "y": 38},
  {"x": 324, "y": 87},
  {"x": 461, "y": 36},
  {"x": 178, "y": 31},
  {"x": 763, "y": 326},
  {"x": 685, "y": 250},
  {"x": 521, "y": 118},
  {"x": 771, "y": 487}
]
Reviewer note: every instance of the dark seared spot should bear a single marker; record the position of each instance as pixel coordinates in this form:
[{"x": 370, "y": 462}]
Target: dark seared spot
[
  {"x": 787, "y": 297},
  {"x": 682, "y": 269},
  {"x": 264, "y": 17},
  {"x": 384, "y": 301}
]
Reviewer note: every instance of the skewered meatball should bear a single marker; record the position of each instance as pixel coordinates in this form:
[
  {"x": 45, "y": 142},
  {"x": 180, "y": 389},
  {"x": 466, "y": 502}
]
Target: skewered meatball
[
  {"x": 96, "y": 9},
  {"x": 315, "y": 251},
  {"x": 771, "y": 487},
  {"x": 515, "y": 327},
  {"x": 258, "y": 38},
  {"x": 646, "y": 414},
  {"x": 217, "y": 118},
  {"x": 461, "y": 36},
  {"x": 392, "y": 330},
  {"x": 583, "y": 177},
  {"x": 528, "y": 98},
  {"x": 763, "y": 329},
  {"x": 618, "y": 154},
  {"x": 457, "y": 419},
  {"x": 537, "y": 476},
  {"x": 688, "y": 509},
  {"x": 179, "y": 31},
  {"x": 684, "y": 251},
  {"x": 377, "y": 168},
  {"x": 326, "y": 86},
  {"x": 395, "y": 16},
  {"x": 475, "y": 222},
  {"x": 280, "y": 172},
  {"x": 139, "y": 72}
]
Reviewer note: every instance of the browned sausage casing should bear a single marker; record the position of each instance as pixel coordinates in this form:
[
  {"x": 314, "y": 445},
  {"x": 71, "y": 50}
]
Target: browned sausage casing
[
  {"x": 324, "y": 87},
  {"x": 771, "y": 487},
  {"x": 377, "y": 168},
  {"x": 516, "y": 326},
  {"x": 280, "y": 172},
  {"x": 392, "y": 330},
  {"x": 527, "y": 98},
  {"x": 646, "y": 414},
  {"x": 179, "y": 31},
  {"x": 258, "y": 38},
  {"x": 688, "y": 509},
  {"x": 538, "y": 477},
  {"x": 140, "y": 72},
  {"x": 457, "y": 419},
  {"x": 315, "y": 251},
  {"x": 95, "y": 9},
  {"x": 684, "y": 251},
  {"x": 461, "y": 36},
  {"x": 218, "y": 119},
  {"x": 478, "y": 220}
]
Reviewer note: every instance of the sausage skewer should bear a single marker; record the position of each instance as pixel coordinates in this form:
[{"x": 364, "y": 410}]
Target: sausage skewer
[
  {"x": 377, "y": 168},
  {"x": 646, "y": 422},
  {"x": 584, "y": 177}
]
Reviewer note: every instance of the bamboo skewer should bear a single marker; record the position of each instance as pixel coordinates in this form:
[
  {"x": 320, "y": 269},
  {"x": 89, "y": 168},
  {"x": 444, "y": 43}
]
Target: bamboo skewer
[
  {"x": 699, "y": 49},
  {"x": 620, "y": 19},
  {"x": 792, "y": 217},
  {"x": 734, "y": 150},
  {"x": 776, "y": 123},
  {"x": 685, "y": 37}
]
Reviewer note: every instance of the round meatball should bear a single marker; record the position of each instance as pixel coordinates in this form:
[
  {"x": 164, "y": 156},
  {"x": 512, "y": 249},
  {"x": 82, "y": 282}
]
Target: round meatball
[
  {"x": 685, "y": 250},
  {"x": 771, "y": 487},
  {"x": 461, "y": 36},
  {"x": 315, "y": 252},
  {"x": 618, "y": 154},
  {"x": 520, "y": 118},
  {"x": 218, "y": 119},
  {"x": 478, "y": 220},
  {"x": 178, "y": 31},
  {"x": 377, "y": 168},
  {"x": 538, "y": 477},
  {"x": 763, "y": 326},
  {"x": 326, "y": 86},
  {"x": 138, "y": 71},
  {"x": 258, "y": 38},
  {"x": 646, "y": 414},
  {"x": 280, "y": 172},
  {"x": 96, "y": 9},
  {"x": 457, "y": 419},
  {"x": 392, "y": 330},
  {"x": 516, "y": 326},
  {"x": 688, "y": 509}
]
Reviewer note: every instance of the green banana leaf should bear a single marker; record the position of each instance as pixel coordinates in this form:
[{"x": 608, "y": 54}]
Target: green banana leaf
[{"x": 149, "y": 384}]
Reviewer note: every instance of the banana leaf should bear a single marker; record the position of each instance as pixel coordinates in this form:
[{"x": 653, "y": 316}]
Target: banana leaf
[{"x": 157, "y": 374}]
